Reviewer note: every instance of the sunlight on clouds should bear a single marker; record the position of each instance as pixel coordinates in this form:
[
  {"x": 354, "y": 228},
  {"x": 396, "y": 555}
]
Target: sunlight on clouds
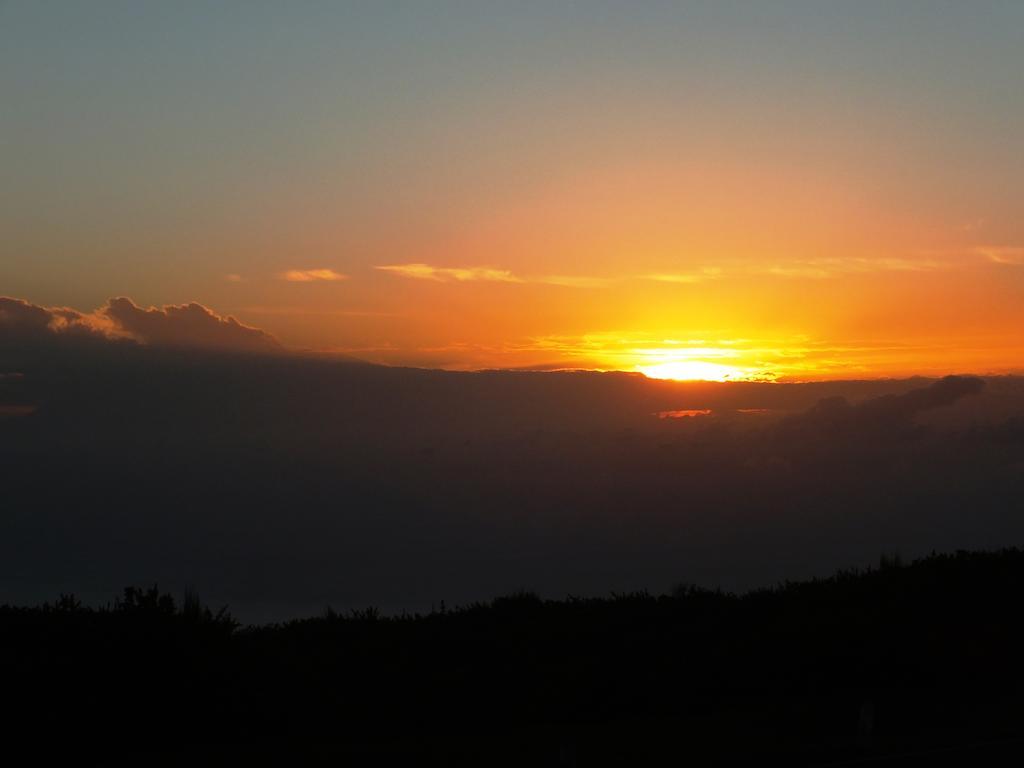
[
  {"x": 715, "y": 357},
  {"x": 574, "y": 281},
  {"x": 818, "y": 268},
  {"x": 419, "y": 271},
  {"x": 837, "y": 267},
  {"x": 311, "y": 275},
  {"x": 690, "y": 359},
  {"x": 1002, "y": 254},
  {"x": 705, "y": 273},
  {"x": 691, "y": 363},
  {"x": 692, "y": 370}
]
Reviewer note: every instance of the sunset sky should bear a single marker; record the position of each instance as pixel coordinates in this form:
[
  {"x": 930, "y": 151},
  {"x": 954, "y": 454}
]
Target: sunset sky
[{"x": 690, "y": 189}]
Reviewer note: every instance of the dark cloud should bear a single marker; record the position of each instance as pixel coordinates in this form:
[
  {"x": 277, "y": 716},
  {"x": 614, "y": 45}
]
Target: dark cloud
[
  {"x": 19, "y": 318},
  {"x": 186, "y": 326},
  {"x": 941, "y": 394},
  {"x": 19, "y": 315},
  {"x": 280, "y": 483},
  {"x": 888, "y": 412}
]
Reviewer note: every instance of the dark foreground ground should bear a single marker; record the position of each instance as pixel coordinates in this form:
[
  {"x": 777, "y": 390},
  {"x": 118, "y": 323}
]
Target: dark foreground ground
[{"x": 898, "y": 665}]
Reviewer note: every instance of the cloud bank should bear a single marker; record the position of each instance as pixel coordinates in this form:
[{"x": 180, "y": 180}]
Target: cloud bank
[
  {"x": 836, "y": 416},
  {"x": 186, "y": 325},
  {"x": 351, "y": 485}
]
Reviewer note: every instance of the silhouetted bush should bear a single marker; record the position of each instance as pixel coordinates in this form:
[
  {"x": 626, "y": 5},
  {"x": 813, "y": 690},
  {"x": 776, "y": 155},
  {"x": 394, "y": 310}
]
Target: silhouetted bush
[{"x": 873, "y": 662}]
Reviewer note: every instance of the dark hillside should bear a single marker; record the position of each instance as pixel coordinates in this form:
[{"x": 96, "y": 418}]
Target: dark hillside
[{"x": 890, "y": 661}]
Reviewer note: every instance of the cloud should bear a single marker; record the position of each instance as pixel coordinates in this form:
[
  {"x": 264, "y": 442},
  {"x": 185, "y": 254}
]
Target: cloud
[
  {"x": 187, "y": 325},
  {"x": 798, "y": 270},
  {"x": 418, "y": 271},
  {"x": 941, "y": 394},
  {"x": 19, "y": 315},
  {"x": 835, "y": 267},
  {"x": 835, "y": 415},
  {"x": 364, "y": 454},
  {"x": 451, "y": 274},
  {"x": 20, "y": 319},
  {"x": 665, "y": 277},
  {"x": 818, "y": 268},
  {"x": 233, "y": 277},
  {"x": 815, "y": 268},
  {"x": 574, "y": 281},
  {"x": 1013, "y": 255},
  {"x": 892, "y": 264},
  {"x": 297, "y": 311},
  {"x": 312, "y": 275},
  {"x": 706, "y": 273}
]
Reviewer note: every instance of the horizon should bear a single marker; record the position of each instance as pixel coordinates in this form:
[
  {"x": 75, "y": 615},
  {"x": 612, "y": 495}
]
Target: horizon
[{"x": 192, "y": 325}]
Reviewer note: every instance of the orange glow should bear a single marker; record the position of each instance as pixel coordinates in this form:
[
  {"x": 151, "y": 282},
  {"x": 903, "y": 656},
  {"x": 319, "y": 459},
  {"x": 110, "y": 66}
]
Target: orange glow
[
  {"x": 685, "y": 413},
  {"x": 655, "y": 183},
  {"x": 692, "y": 370},
  {"x": 693, "y": 363}
]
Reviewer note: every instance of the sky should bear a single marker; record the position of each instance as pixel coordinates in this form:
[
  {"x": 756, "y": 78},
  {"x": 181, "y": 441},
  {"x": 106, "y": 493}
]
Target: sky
[{"x": 694, "y": 190}]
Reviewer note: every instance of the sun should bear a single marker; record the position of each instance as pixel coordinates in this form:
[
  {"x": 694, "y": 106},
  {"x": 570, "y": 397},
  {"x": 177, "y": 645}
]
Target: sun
[
  {"x": 693, "y": 361},
  {"x": 692, "y": 370}
]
